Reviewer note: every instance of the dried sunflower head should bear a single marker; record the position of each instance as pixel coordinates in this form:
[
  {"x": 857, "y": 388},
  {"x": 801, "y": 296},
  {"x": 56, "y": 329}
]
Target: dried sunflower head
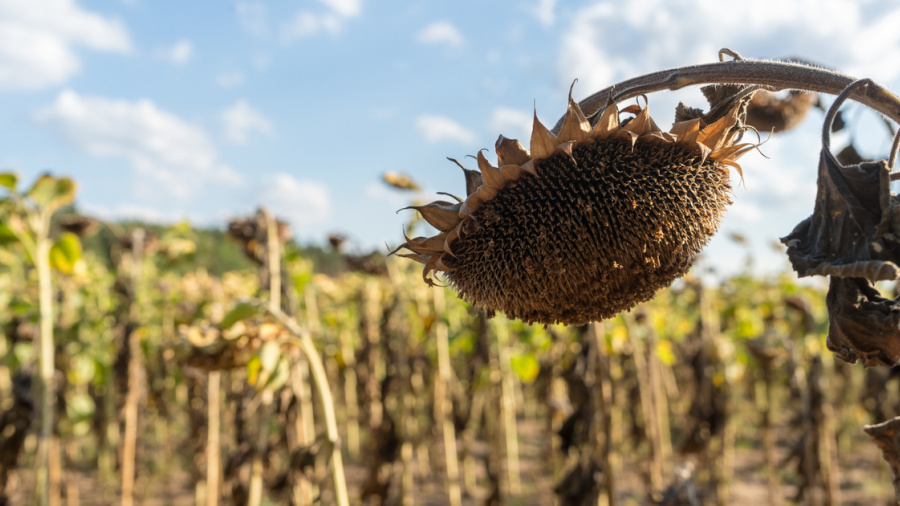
[{"x": 584, "y": 224}]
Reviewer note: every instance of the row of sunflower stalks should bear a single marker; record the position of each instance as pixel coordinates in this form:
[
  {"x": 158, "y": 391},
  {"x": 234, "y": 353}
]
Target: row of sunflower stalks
[{"x": 171, "y": 384}]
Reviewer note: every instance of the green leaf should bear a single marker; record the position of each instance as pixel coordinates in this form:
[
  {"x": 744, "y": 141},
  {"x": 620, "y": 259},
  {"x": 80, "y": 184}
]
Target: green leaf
[
  {"x": 51, "y": 193},
  {"x": 66, "y": 253},
  {"x": 253, "y": 367},
  {"x": 6, "y": 235},
  {"x": 20, "y": 307},
  {"x": 526, "y": 367},
  {"x": 241, "y": 311},
  {"x": 9, "y": 180},
  {"x": 268, "y": 359}
]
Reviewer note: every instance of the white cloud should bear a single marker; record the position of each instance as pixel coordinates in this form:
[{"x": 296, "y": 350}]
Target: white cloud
[
  {"x": 345, "y": 8},
  {"x": 171, "y": 157},
  {"x": 179, "y": 53},
  {"x": 253, "y": 17},
  {"x": 545, "y": 12},
  {"x": 512, "y": 123},
  {"x": 302, "y": 202},
  {"x": 440, "y": 32},
  {"x": 128, "y": 211},
  {"x": 38, "y": 41},
  {"x": 439, "y": 128},
  {"x": 305, "y": 23},
  {"x": 230, "y": 80},
  {"x": 241, "y": 119},
  {"x": 609, "y": 41}
]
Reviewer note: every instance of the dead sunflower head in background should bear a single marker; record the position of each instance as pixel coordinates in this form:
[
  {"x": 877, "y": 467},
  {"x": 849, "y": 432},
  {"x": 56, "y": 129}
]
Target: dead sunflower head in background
[{"x": 587, "y": 223}]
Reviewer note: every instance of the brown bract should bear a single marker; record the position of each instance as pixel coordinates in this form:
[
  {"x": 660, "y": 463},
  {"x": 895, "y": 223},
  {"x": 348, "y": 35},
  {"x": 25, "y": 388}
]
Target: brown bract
[{"x": 586, "y": 223}]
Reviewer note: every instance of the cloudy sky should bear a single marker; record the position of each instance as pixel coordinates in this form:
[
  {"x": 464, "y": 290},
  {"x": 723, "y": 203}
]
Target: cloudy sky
[{"x": 165, "y": 109}]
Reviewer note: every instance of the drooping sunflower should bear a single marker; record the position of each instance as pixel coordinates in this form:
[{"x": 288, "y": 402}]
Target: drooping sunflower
[{"x": 587, "y": 223}]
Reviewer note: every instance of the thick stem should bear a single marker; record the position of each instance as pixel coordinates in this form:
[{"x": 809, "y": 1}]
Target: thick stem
[
  {"x": 213, "y": 453},
  {"x": 48, "y": 488},
  {"x": 442, "y": 403},
  {"x": 648, "y": 411},
  {"x": 321, "y": 381},
  {"x": 135, "y": 377},
  {"x": 604, "y": 451},
  {"x": 775, "y": 75},
  {"x": 508, "y": 409},
  {"x": 273, "y": 269}
]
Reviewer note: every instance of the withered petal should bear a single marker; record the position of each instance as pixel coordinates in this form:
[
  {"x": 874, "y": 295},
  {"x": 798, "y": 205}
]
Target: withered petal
[
  {"x": 489, "y": 173},
  {"x": 426, "y": 245},
  {"x": 719, "y": 134},
  {"x": 422, "y": 259},
  {"x": 576, "y": 126},
  {"x": 473, "y": 177},
  {"x": 440, "y": 214},
  {"x": 608, "y": 123},
  {"x": 687, "y": 131},
  {"x": 510, "y": 152},
  {"x": 511, "y": 173},
  {"x": 642, "y": 123},
  {"x": 543, "y": 142}
]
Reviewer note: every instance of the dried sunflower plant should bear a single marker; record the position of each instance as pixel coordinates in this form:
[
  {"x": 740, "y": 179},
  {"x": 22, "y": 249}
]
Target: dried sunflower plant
[{"x": 600, "y": 212}]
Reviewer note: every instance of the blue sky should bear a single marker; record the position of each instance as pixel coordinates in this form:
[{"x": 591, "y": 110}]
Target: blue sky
[{"x": 167, "y": 110}]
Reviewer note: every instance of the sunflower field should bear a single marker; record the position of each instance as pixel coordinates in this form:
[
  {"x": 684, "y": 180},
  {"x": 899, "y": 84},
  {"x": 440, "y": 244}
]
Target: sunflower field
[{"x": 167, "y": 365}]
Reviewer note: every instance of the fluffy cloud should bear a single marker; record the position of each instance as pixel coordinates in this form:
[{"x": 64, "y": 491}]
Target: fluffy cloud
[
  {"x": 439, "y": 128},
  {"x": 441, "y": 32},
  {"x": 179, "y": 53},
  {"x": 302, "y": 202},
  {"x": 38, "y": 41},
  {"x": 512, "y": 123},
  {"x": 545, "y": 12},
  {"x": 308, "y": 23},
  {"x": 230, "y": 80},
  {"x": 608, "y": 41},
  {"x": 241, "y": 119},
  {"x": 253, "y": 17},
  {"x": 345, "y": 8},
  {"x": 171, "y": 157}
]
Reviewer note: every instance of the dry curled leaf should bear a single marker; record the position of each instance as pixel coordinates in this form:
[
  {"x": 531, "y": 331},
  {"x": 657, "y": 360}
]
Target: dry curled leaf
[
  {"x": 863, "y": 325},
  {"x": 851, "y": 237},
  {"x": 850, "y": 232}
]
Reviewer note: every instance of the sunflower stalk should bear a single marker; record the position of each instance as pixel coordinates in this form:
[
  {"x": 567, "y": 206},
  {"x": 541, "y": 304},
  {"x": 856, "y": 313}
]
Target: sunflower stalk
[
  {"x": 320, "y": 379},
  {"x": 272, "y": 279},
  {"x": 443, "y": 403},
  {"x": 772, "y": 75}
]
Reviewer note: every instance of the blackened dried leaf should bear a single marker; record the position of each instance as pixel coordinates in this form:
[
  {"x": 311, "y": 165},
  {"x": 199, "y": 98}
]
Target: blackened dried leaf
[
  {"x": 863, "y": 325},
  {"x": 686, "y": 113},
  {"x": 850, "y": 156},
  {"x": 849, "y": 232}
]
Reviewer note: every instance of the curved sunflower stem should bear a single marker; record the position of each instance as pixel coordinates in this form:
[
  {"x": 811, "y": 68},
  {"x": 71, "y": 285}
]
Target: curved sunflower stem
[
  {"x": 304, "y": 341},
  {"x": 773, "y": 75}
]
